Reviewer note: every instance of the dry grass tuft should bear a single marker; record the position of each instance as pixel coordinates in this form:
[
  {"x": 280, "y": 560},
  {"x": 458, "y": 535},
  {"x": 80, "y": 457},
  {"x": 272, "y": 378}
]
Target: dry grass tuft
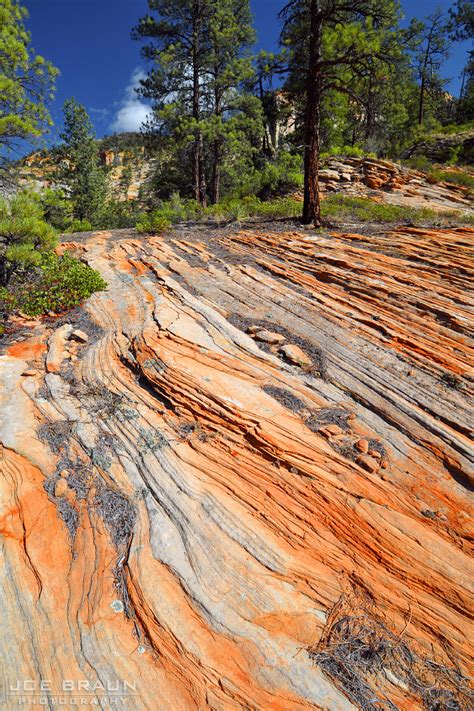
[{"x": 357, "y": 649}]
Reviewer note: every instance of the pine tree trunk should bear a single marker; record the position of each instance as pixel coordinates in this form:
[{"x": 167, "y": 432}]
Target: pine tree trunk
[
  {"x": 196, "y": 145},
  {"x": 202, "y": 172},
  {"x": 370, "y": 113},
  {"x": 424, "y": 71},
  {"x": 216, "y": 174},
  {"x": 196, "y": 171},
  {"x": 216, "y": 151},
  {"x": 421, "y": 105},
  {"x": 312, "y": 205},
  {"x": 199, "y": 178}
]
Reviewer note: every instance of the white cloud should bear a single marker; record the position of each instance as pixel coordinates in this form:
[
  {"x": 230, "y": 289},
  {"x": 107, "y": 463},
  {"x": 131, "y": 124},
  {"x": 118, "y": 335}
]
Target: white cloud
[
  {"x": 132, "y": 112},
  {"x": 101, "y": 114}
]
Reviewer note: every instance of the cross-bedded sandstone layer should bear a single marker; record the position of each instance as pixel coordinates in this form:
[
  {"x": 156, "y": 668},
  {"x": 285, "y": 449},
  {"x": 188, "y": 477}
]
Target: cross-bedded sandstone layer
[{"x": 240, "y": 478}]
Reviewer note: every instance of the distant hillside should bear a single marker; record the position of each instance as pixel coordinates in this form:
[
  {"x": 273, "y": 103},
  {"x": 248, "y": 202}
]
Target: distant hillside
[
  {"x": 126, "y": 157},
  {"x": 131, "y": 164}
]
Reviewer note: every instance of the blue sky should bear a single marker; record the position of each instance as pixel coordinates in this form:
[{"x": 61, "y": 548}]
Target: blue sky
[{"x": 89, "y": 41}]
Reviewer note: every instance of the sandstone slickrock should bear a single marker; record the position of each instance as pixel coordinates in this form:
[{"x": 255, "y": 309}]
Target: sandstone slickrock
[{"x": 173, "y": 518}]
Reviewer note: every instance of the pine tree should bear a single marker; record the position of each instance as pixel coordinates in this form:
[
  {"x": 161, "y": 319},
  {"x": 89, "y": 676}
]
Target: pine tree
[
  {"x": 462, "y": 20},
  {"x": 200, "y": 62},
  {"x": 330, "y": 44},
  {"x": 26, "y": 81},
  {"x": 462, "y": 28},
  {"x": 230, "y": 34},
  {"x": 276, "y": 107},
  {"x": 178, "y": 47},
  {"x": 82, "y": 173},
  {"x": 382, "y": 117},
  {"x": 465, "y": 107},
  {"x": 432, "y": 49},
  {"x": 25, "y": 236}
]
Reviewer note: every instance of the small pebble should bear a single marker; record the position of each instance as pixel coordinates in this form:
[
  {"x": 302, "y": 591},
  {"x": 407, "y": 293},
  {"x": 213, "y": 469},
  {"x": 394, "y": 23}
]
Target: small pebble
[
  {"x": 334, "y": 429},
  {"x": 78, "y": 335},
  {"x": 368, "y": 463},
  {"x": 61, "y": 487},
  {"x": 362, "y": 445},
  {"x": 295, "y": 355},
  {"x": 374, "y": 453},
  {"x": 269, "y": 337}
]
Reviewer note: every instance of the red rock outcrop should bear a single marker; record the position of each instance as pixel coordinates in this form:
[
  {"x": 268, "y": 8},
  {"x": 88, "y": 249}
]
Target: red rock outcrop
[
  {"x": 193, "y": 512},
  {"x": 385, "y": 181}
]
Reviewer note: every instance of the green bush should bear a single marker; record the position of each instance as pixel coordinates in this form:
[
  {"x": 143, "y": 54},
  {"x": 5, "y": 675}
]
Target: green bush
[
  {"x": 228, "y": 210},
  {"x": 59, "y": 283},
  {"x": 57, "y": 208},
  {"x": 281, "y": 175},
  {"x": 456, "y": 178},
  {"x": 118, "y": 214},
  {"x": 33, "y": 278},
  {"x": 349, "y": 208},
  {"x": 113, "y": 214},
  {"x": 421, "y": 163},
  {"x": 79, "y": 226},
  {"x": 178, "y": 210},
  {"x": 24, "y": 236},
  {"x": 234, "y": 210},
  {"x": 453, "y": 128},
  {"x": 335, "y": 207},
  {"x": 348, "y": 152},
  {"x": 154, "y": 223},
  {"x": 171, "y": 211}
]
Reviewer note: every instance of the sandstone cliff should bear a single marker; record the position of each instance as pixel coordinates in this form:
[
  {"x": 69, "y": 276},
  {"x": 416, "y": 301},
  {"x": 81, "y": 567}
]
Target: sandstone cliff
[
  {"x": 128, "y": 168},
  {"x": 240, "y": 478}
]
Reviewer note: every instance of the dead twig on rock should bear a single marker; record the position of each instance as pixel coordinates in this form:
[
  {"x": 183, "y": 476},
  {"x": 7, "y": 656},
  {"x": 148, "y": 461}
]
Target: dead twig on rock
[{"x": 357, "y": 648}]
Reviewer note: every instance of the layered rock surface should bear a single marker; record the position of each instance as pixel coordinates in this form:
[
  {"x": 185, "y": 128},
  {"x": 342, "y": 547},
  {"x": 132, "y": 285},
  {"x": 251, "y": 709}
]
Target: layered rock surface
[
  {"x": 222, "y": 519},
  {"x": 384, "y": 181}
]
